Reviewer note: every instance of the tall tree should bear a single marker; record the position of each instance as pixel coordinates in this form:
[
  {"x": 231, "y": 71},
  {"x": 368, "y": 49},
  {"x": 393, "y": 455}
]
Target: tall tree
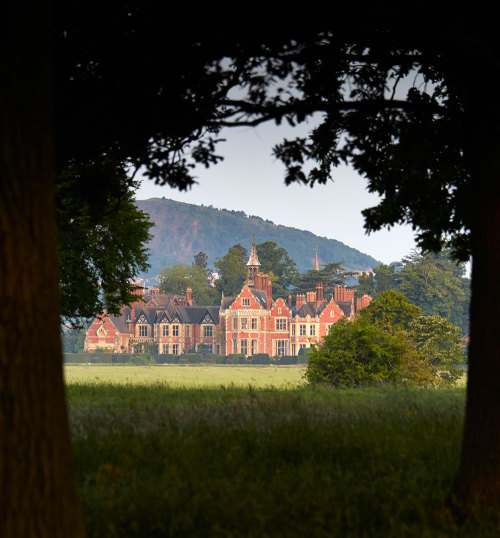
[
  {"x": 275, "y": 260},
  {"x": 391, "y": 312},
  {"x": 383, "y": 278},
  {"x": 38, "y": 494},
  {"x": 436, "y": 283},
  {"x": 440, "y": 344},
  {"x": 176, "y": 278},
  {"x": 201, "y": 261},
  {"x": 330, "y": 275},
  {"x": 433, "y": 281},
  {"x": 232, "y": 270}
]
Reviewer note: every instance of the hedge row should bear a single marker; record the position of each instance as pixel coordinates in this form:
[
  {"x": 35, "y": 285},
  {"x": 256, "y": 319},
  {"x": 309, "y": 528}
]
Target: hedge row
[{"x": 187, "y": 358}]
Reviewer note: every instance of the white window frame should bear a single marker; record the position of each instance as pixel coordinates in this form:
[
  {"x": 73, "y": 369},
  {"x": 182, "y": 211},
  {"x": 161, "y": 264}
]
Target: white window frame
[{"x": 208, "y": 331}]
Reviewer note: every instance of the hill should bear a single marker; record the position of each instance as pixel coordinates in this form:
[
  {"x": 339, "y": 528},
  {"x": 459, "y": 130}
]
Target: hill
[{"x": 181, "y": 230}]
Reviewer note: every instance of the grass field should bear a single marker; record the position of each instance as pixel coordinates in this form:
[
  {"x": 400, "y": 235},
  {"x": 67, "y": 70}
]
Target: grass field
[
  {"x": 238, "y": 457},
  {"x": 188, "y": 376}
]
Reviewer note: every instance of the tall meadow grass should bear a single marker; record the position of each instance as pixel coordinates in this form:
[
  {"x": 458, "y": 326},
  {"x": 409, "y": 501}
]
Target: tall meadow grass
[{"x": 233, "y": 461}]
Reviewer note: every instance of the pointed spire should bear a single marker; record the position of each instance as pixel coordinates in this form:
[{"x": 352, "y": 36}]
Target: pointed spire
[
  {"x": 316, "y": 264},
  {"x": 253, "y": 264},
  {"x": 254, "y": 259}
]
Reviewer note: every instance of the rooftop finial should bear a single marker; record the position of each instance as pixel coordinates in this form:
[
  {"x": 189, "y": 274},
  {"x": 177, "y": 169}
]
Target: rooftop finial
[
  {"x": 253, "y": 264},
  {"x": 253, "y": 260}
]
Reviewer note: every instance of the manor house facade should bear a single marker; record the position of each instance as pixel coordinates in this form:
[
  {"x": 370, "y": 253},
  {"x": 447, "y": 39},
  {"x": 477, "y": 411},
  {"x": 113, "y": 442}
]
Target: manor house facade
[{"x": 248, "y": 323}]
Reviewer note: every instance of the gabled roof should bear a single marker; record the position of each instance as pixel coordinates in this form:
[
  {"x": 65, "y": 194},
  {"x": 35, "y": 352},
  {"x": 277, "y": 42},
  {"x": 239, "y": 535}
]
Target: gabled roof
[
  {"x": 261, "y": 296},
  {"x": 120, "y": 322},
  {"x": 196, "y": 314},
  {"x": 162, "y": 316},
  {"x": 307, "y": 309},
  {"x": 148, "y": 312},
  {"x": 345, "y": 306}
]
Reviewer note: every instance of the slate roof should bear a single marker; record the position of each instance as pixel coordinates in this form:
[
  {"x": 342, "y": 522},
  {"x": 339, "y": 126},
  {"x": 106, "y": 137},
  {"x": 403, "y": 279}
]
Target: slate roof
[
  {"x": 164, "y": 299},
  {"x": 345, "y": 306},
  {"x": 307, "y": 309},
  {"x": 227, "y": 302},
  {"x": 119, "y": 322},
  {"x": 195, "y": 314},
  {"x": 149, "y": 313},
  {"x": 260, "y": 295}
]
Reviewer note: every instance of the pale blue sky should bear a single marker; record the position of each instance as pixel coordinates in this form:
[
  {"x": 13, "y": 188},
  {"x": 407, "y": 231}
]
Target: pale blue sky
[{"x": 251, "y": 180}]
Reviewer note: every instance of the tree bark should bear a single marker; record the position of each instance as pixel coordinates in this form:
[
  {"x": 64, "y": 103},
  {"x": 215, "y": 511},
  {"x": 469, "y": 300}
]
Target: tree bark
[
  {"x": 478, "y": 482},
  {"x": 38, "y": 492}
]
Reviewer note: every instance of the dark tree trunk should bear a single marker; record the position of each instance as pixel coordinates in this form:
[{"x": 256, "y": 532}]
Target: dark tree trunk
[
  {"x": 478, "y": 482},
  {"x": 37, "y": 493}
]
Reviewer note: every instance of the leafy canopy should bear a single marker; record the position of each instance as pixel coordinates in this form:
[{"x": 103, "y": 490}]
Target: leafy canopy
[
  {"x": 390, "y": 104},
  {"x": 101, "y": 239},
  {"x": 175, "y": 279},
  {"x": 440, "y": 344},
  {"x": 390, "y": 342},
  {"x": 330, "y": 275},
  {"x": 232, "y": 270},
  {"x": 276, "y": 262},
  {"x": 359, "y": 353},
  {"x": 391, "y": 312},
  {"x": 432, "y": 281}
]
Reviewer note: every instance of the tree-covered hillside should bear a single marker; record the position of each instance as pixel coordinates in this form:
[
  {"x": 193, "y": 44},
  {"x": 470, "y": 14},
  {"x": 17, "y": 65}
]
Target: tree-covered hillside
[{"x": 182, "y": 230}]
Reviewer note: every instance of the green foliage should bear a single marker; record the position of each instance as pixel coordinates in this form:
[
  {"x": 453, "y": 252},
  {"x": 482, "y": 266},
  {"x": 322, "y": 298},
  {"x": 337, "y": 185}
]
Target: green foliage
[
  {"x": 165, "y": 358},
  {"x": 330, "y": 275},
  {"x": 358, "y": 354},
  {"x": 440, "y": 344},
  {"x": 102, "y": 238},
  {"x": 383, "y": 278},
  {"x": 389, "y": 342},
  {"x": 285, "y": 360},
  {"x": 177, "y": 278},
  {"x": 236, "y": 358},
  {"x": 201, "y": 261},
  {"x": 260, "y": 358},
  {"x": 73, "y": 340},
  {"x": 143, "y": 359},
  {"x": 232, "y": 270},
  {"x": 436, "y": 283},
  {"x": 391, "y": 312},
  {"x": 276, "y": 262},
  {"x": 76, "y": 358}
]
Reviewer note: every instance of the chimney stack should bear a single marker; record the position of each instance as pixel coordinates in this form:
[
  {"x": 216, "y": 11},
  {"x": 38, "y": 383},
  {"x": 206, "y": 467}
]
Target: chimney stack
[
  {"x": 311, "y": 296},
  {"x": 189, "y": 292},
  {"x": 269, "y": 291},
  {"x": 319, "y": 293},
  {"x": 300, "y": 300},
  {"x": 339, "y": 294}
]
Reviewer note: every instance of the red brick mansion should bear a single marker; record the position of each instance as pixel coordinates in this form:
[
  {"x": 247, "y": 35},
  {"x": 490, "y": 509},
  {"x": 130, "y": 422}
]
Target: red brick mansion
[{"x": 249, "y": 323}]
